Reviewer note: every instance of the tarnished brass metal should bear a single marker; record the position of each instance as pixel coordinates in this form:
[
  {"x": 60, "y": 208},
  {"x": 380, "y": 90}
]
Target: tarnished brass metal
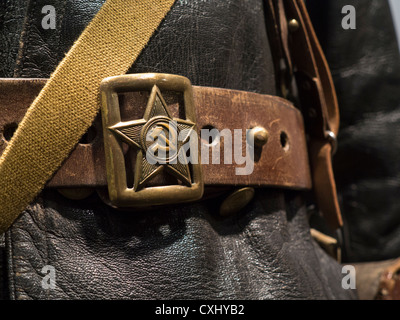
[
  {"x": 155, "y": 137},
  {"x": 236, "y": 201},
  {"x": 293, "y": 25},
  {"x": 259, "y": 136}
]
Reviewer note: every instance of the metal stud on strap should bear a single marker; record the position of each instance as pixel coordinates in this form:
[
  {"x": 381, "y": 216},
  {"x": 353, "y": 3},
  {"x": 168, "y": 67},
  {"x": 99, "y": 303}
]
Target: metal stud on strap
[{"x": 332, "y": 140}]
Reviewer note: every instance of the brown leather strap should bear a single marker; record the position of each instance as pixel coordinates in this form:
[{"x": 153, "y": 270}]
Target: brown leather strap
[
  {"x": 282, "y": 161},
  {"x": 389, "y": 286},
  {"x": 280, "y": 53},
  {"x": 378, "y": 280},
  {"x": 319, "y": 106}
]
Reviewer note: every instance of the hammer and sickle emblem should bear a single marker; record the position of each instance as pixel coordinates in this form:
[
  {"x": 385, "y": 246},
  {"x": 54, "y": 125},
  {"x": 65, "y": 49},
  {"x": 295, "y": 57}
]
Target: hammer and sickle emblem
[
  {"x": 156, "y": 139},
  {"x": 162, "y": 133}
]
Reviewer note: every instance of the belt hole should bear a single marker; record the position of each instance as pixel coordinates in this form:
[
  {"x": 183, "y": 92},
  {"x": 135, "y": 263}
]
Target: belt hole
[
  {"x": 284, "y": 141},
  {"x": 9, "y": 130},
  {"x": 89, "y": 136},
  {"x": 213, "y": 135}
]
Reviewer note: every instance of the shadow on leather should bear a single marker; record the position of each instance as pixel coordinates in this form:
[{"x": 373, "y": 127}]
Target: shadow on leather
[{"x": 142, "y": 233}]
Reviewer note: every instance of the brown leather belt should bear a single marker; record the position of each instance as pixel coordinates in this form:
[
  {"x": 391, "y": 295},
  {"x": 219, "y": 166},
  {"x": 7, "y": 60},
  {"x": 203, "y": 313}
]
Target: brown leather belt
[{"x": 281, "y": 162}]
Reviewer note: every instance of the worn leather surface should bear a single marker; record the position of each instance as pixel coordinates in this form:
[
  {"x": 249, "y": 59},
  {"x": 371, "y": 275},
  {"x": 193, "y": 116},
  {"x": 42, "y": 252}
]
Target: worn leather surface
[
  {"x": 186, "y": 251},
  {"x": 365, "y": 64},
  {"x": 11, "y": 23},
  {"x": 275, "y": 164}
]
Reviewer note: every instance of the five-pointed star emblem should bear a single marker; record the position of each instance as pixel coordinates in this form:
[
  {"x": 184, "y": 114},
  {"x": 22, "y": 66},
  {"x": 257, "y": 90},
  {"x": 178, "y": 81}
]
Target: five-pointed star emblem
[{"x": 159, "y": 138}]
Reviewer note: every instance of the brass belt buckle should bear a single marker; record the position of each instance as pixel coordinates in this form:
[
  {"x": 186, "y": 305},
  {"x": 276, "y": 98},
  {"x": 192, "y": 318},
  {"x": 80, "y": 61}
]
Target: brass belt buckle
[{"x": 145, "y": 135}]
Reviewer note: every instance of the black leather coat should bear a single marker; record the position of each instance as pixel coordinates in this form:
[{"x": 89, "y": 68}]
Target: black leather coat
[
  {"x": 365, "y": 65},
  {"x": 185, "y": 251}
]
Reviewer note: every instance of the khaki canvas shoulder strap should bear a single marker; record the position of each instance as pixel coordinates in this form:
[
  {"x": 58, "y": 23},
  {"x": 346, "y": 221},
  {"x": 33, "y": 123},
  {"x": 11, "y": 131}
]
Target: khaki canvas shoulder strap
[{"x": 67, "y": 105}]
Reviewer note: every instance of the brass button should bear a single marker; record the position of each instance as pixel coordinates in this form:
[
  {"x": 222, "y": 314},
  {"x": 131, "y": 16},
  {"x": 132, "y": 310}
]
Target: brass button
[
  {"x": 236, "y": 201},
  {"x": 293, "y": 25},
  {"x": 259, "y": 135}
]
